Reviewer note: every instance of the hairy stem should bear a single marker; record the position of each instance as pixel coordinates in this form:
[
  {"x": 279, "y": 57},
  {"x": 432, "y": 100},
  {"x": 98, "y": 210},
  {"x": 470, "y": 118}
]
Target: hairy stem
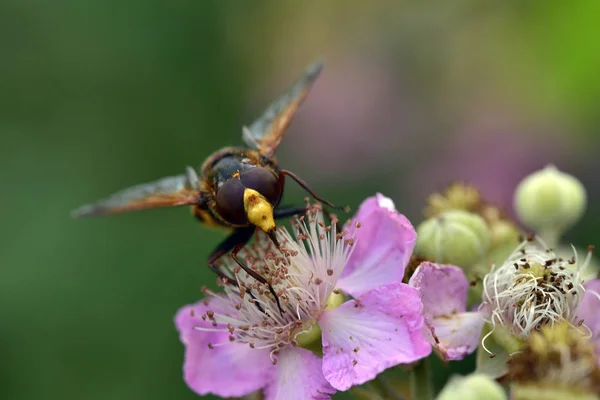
[{"x": 420, "y": 381}]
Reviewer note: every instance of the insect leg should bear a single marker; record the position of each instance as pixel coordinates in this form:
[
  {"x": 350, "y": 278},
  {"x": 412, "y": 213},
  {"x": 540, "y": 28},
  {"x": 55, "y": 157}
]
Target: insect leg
[
  {"x": 238, "y": 238},
  {"x": 226, "y": 279},
  {"x": 305, "y": 186},
  {"x": 254, "y": 274},
  {"x": 284, "y": 212},
  {"x": 230, "y": 281}
]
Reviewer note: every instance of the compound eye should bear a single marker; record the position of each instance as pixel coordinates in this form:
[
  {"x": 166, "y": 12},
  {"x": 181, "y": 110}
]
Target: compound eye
[
  {"x": 230, "y": 202},
  {"x": 264, "y": 182}
]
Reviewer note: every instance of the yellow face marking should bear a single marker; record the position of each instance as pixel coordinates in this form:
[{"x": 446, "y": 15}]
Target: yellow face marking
[
  {"x": 258, "y": 210},
  {"x": 236, "y": 175}
]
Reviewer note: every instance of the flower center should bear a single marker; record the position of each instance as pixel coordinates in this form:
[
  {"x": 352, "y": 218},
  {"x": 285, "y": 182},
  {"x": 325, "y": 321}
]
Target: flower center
[
  {"x": 310, "y": 337},
  {"x": 303, "y": 275}
]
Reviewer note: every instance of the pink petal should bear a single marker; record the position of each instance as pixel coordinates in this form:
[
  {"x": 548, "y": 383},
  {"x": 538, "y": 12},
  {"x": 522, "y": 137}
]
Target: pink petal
[
  {"x": 383, "y": 246},
  {"x": 363, "y": 337},
  {"x": 298, "y": 376},
  {"x": 588, "y": 311},
  {"x": 457, "y": 335},
  {"x": 232, "y": 370},
  {"x": 443, "y": 290}
]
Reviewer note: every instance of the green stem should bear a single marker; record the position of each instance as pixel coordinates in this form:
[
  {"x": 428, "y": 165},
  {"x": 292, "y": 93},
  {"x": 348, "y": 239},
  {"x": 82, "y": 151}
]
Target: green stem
[
  {"x": 552, "y": 238},
  {"x": 420, "y": 381},
  {"x": 391, "y": 392},
  {"x": 366, "y": 392}
]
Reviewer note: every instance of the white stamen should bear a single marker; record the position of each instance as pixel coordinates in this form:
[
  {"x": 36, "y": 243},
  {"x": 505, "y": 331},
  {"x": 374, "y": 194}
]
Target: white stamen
[{"x": 303, "y": 275}]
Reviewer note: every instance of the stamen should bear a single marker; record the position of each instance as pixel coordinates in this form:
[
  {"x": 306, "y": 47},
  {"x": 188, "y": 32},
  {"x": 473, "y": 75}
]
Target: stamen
[{"x": 303, "y": 274}]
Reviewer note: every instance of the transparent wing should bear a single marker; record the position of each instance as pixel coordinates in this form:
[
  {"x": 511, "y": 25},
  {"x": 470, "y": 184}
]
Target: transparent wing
[
  {"x": 166, "y": 192},
  {"x": 267, "y": 131}
]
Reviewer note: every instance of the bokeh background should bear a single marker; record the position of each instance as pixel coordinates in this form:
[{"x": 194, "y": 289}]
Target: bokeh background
[{"x": 98, "y": 95}]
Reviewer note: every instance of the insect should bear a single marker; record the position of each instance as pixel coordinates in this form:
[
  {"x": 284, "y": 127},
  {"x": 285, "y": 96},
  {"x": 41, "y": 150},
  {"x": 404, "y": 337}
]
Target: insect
[{"x": 239, "y": 188}]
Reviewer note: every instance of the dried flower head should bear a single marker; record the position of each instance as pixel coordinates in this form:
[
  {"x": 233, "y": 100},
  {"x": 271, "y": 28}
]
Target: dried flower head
[{"x": 534, "y": 287}]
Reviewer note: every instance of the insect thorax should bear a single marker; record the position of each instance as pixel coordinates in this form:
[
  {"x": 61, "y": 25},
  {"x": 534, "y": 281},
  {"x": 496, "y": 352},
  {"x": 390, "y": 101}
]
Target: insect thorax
[{"x": 226, "y": 163}]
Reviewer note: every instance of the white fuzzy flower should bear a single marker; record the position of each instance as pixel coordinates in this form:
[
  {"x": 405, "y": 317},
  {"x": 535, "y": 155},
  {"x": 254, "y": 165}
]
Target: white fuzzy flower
[{"x": 534, "y": 287}]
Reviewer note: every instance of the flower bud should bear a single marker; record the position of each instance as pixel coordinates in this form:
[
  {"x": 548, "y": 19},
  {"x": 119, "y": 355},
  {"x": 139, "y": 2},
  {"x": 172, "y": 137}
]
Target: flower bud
[
  {"x": 457, "y": 196},
  {"x": 558, "y": 362},
  {"x": 550, "y": 200},
  {"x": 472, "y": 387},
  {"x": 454, "y": 237}
]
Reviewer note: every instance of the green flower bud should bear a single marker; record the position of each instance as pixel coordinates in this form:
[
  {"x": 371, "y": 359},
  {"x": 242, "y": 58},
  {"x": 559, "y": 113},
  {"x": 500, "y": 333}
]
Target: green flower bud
[
  {"x": 455, "y": 237},
  {"x": 550, "y": 201},
  {"x": 472, "y": 387},
  {"x": 503, "y": 233},
  {"x": 532, "y": 392},
  {"x": 558, "y": 362},
  {"x": 457, "y": 196}
]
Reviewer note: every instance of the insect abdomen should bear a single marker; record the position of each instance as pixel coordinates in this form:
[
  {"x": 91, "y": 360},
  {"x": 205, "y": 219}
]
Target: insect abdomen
[{"x": 206, "y": 217}]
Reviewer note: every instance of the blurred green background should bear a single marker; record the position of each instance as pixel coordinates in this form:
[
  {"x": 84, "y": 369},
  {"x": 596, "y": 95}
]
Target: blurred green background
[{"x": 98, "y": 95}]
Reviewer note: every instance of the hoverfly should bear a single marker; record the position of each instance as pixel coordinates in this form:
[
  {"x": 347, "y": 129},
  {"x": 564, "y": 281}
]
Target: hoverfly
[{"x": 239, "y": 188}]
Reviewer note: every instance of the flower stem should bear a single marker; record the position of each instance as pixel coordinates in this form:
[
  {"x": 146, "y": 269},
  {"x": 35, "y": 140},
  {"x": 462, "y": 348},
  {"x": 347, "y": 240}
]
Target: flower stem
[
  {"x": 420, "y": 381},
  {"x": 551, "y": 237}
]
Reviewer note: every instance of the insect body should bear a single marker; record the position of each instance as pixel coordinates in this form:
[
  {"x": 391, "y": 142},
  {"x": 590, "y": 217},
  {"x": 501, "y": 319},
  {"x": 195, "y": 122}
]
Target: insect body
[{"x": 236, "y": 187}]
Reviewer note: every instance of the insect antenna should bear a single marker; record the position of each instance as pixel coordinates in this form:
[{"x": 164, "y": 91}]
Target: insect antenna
[{"x": 305, "y": 186}]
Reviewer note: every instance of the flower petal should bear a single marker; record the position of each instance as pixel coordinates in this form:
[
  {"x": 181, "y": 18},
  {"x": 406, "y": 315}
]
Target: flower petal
[
  {"x": 443, "y": 290},
  {"x": 363, "y": 337},
  {"x": 231, "y": 370},
  {"x": 383, "y": 246},
  {"x": 457, "y": 336},
  {"x": 298, "y": 376},
  {"x": 588, "y": 311}
]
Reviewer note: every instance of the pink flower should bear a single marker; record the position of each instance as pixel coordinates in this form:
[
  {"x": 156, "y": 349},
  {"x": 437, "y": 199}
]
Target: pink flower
[
  {"x": 234, "y": 346},
  {"x": 588, "y": 311},
  {"x": 443, "y": 289}
]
